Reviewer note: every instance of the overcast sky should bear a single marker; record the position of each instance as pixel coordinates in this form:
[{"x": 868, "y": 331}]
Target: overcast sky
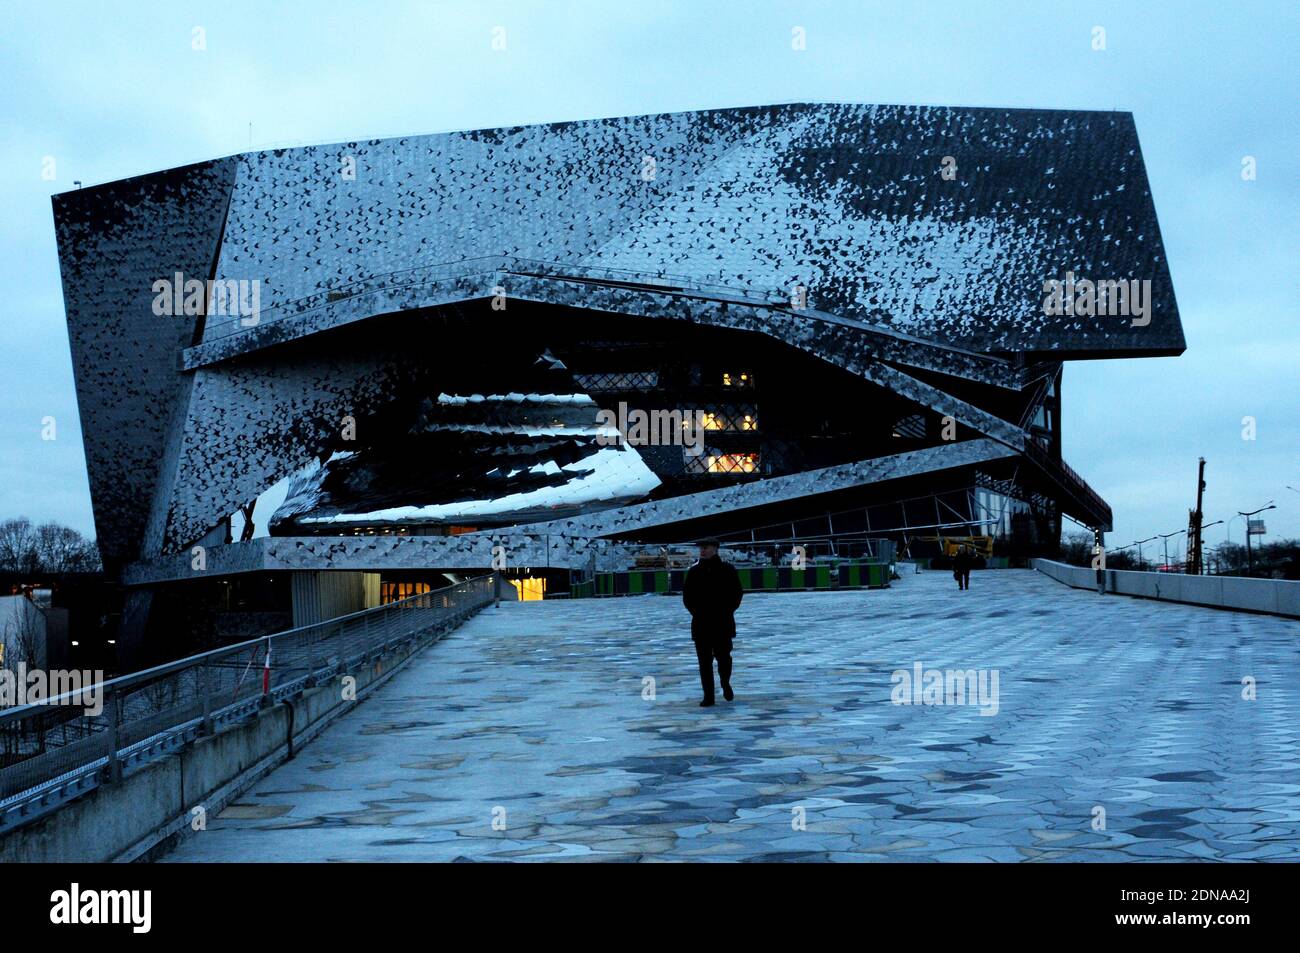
[{"x": 113, "y": 90}]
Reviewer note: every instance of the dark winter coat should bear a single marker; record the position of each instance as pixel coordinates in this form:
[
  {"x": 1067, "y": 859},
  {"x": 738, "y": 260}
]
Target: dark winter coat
[
  {"x": 962, "y": 563},
  {"x": 712, "y": 594}
]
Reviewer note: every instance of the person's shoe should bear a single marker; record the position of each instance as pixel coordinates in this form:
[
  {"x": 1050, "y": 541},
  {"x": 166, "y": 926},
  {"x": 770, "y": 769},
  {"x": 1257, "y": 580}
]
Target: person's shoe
[
  {"x": 707, "y": 703},
  {"x": 727, "y": 693}
]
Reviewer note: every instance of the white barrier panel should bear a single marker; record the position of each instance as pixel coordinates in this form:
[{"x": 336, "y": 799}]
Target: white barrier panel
[{"x": 1276, "y": 596}]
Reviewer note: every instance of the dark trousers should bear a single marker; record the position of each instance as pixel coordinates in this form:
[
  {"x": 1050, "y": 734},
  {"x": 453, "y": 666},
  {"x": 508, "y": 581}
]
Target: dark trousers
[
  {"x": 706, "y": 652},
  {"x": 963, "y": 579}
]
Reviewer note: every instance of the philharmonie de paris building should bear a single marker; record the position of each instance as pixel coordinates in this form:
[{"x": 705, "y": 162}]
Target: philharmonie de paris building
[{"x": 318, "y": 379}]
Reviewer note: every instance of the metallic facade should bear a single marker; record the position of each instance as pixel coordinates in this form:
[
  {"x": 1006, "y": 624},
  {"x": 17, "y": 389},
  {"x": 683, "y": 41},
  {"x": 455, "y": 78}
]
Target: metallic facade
[{"x": 905, "y": 248}]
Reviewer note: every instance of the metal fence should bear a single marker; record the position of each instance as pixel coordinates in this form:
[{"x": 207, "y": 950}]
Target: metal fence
[{"x": 55, "y": 749}]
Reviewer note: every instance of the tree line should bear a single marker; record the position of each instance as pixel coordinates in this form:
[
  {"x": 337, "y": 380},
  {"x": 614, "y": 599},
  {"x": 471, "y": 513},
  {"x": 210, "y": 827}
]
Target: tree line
[
  {"x": 1279, "y": 560},
  {"x": 45, "y": 549}
]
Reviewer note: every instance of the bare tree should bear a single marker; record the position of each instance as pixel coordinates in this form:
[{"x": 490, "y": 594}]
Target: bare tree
[
  {"x": 17, "y": 546},
  {"x": 48, "y": 548},
  {"x": 60, "y": 549}
]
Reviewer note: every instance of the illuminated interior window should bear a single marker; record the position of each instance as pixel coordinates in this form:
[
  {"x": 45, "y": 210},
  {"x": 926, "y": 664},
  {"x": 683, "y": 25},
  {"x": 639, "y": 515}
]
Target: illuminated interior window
[
  {"x": 733, "y": 463},
  {"x": 734, "y": 417},
  {"x": 714, "y": 460},
  {"x": 737, "y": 379},
  {"x": 530, "y": 588},
  {"x": 397, "y": 591}
]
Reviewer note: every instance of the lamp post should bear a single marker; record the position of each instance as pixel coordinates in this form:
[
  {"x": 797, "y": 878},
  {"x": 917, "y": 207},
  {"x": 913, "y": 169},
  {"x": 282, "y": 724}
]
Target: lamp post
[
  {"x": 1250, "y": 561},
  {"x": 1141, "y": 559},
  {"x": 1203, "y": 529},
  {"x": 1165, "y": 537}
]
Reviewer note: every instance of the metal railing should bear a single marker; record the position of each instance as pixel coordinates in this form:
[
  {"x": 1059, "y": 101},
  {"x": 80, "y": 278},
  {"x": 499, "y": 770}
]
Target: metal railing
[
  {"x": 1068, "y": 478},
  {"x": 58, "y": 748}
]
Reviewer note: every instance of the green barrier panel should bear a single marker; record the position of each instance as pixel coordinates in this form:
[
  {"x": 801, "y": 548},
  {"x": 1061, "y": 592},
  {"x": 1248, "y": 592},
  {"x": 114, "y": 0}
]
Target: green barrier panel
[{"x": 767, "y": 579}]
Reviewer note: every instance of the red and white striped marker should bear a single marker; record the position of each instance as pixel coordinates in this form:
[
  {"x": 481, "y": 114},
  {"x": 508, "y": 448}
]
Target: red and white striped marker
[{"x": 266, "y": 672}]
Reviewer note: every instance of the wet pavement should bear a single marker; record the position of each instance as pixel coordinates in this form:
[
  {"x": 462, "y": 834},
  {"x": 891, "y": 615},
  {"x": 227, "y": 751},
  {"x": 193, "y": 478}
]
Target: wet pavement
[{"x": 1091, "y": 728}]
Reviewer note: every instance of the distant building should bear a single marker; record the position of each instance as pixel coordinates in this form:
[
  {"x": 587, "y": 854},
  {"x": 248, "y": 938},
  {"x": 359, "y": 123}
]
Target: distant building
[
  {"x": 25, "y": 624},
  {"x": 412, "y": 352}
]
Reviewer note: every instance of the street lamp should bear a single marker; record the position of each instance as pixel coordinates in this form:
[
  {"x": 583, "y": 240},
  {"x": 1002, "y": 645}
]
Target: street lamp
[
  {"x": 1203, "y": 529},
  {"x": 1141, "y": 560},
  {"x": 1165, "y": 537},
  {"x": 1250, "y": 562}
]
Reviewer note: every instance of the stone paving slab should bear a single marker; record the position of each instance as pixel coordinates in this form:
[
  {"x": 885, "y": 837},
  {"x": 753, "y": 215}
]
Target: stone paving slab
[{"x": 532, "y": 716}]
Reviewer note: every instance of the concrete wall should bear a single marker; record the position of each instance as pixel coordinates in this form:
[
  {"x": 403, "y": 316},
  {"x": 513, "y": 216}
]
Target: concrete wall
[
  {"x": 145, "y": 813},
  {"x": 1275, "y": 596}
]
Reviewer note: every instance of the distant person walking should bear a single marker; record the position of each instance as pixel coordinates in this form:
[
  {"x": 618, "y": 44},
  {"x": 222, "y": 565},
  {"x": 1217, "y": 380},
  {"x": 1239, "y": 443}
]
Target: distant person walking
[
  {"x": 711, "y": 595},
  {"x": 961, "y": 564}
]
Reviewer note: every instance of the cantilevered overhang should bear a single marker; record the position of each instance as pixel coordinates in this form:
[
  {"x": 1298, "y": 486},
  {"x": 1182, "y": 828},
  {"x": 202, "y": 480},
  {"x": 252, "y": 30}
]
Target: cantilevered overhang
[
  {"x": 380, "y": 554},
  {"x": 854, "y": 204},
  {"x": 593, "y": 290},
  {"x": 1075, "y": 497}
]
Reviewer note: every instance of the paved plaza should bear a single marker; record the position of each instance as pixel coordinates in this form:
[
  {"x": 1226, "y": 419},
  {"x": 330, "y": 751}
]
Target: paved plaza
[{"x": 533, "y": 733}]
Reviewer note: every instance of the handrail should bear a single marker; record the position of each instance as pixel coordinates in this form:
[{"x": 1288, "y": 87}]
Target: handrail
[
  {"x": 151, "y": 674},
  {"x": 1066, "y": 474},
  {"x": 53, "y": 747}
]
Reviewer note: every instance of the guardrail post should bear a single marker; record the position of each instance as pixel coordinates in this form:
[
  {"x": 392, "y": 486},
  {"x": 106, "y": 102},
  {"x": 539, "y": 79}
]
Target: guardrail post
[
  {"x": 312, "y": 666},
  {"x": 114, "y": 717},
  {"x": 266, "y": 701},
  {"x": 205, "y": 688}
]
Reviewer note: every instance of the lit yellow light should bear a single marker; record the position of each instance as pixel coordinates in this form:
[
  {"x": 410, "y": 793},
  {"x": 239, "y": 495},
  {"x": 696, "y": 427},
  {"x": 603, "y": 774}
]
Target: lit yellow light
[
  {"x": 734, "y": 463},
  {"x": 530, "y": 588}
]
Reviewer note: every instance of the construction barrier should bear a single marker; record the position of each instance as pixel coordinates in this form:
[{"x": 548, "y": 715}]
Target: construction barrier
[{"x": 636, "y": 582}]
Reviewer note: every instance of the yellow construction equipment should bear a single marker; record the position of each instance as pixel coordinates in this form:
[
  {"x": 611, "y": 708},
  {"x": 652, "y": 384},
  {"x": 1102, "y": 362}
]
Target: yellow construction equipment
[{"x": 948, "y": 545}]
